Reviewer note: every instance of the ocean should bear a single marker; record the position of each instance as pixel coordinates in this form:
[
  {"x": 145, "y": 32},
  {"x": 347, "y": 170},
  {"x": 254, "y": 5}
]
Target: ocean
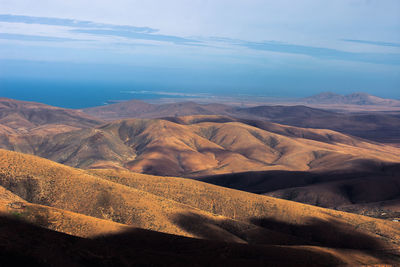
[{"x": 78, "y": 95}]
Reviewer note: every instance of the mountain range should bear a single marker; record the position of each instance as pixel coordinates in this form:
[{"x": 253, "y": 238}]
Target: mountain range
[
  {"x": 200, "y": 145},
  {"x": 375, "y": 126},
  {"x": 350, "y": 99},
  {"x": 132, "y": 181}
]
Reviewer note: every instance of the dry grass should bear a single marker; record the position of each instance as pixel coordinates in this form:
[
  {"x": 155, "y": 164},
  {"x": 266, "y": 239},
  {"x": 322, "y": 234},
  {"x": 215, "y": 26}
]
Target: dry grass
[
  {"x": 60, "y": 196},
  {"x": 244, "y": 206}
]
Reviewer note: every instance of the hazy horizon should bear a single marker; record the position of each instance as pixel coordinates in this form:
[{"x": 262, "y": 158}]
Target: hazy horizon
[{"x": 269, "y": 48}]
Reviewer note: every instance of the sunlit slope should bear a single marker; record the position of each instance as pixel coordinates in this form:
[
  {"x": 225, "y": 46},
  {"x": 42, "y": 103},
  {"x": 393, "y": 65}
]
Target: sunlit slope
[
  {"x": 44, "y": 182},
  {"x": 56, "y": 219},
  {"x": 163, "y": 147},
  {"x": 373, "y": 188},
  {"x": 249, "y": 207},
  {"x": 197, "y": 145},
  {"x": 186, "y": 207},
  {"x": 22, "y": 116},
  {"x": 377, "y": 126}
]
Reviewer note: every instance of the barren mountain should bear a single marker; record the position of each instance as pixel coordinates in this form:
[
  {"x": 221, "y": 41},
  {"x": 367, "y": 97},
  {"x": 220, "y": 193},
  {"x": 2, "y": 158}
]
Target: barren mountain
[
  {"x": 351, "y": 99},
  {"x": 255, "y": 229},
  {"x": 376, "y": 126},
  {"x": 140, "y": 109},
  {"x": 198, "y": 145},
  {"x": 372, "y": 190},
  {"x": 27, "y": 117}
]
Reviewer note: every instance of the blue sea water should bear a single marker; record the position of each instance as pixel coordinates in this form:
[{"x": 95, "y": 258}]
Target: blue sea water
[{"x": 76, "y": 95}]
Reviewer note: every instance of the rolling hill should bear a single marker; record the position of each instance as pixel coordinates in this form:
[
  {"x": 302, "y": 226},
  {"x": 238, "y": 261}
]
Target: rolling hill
[
  {"x": 140, "y": 109},
  {"x": 19, "y": 117},
  {"x": 372, "y": 190},
  {"x": 48, "y": 194},
  {"x": 30, "y": 117},
  {"x": 202, "y": 145},
  {"x": 351, "y": 99},
  {"x": 377, "y": 126}
]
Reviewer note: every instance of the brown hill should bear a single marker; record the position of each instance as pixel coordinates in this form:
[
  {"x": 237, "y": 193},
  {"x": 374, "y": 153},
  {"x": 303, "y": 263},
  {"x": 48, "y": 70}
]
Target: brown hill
[
  {"x": 139, "y": 247},
  {"x": 372, "y": 190},
  {"x": 140, "y": 109},
  {"x": 196, "y": 145},
  {"x": 351, "y": 99},
  {"x": 376, "y": 126},
  {"x": 23, "y": 117},
  {"x": 189, "y": 208},
  {"x": 57, "y": 219}
]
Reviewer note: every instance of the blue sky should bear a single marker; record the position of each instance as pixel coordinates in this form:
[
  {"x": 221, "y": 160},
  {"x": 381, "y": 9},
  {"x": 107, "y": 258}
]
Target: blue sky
[{"x": 272, "y": 48}]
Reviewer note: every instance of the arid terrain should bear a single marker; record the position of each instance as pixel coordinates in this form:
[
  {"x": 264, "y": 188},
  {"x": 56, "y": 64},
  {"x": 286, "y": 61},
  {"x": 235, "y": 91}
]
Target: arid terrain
[
  {"x": 372, "y": 190},
  {"x": 365, "y": 121},
  {"x": 199, "y": 133},
  {"x": 304, "y": 189},
  {"x": 109, "y": 205}
]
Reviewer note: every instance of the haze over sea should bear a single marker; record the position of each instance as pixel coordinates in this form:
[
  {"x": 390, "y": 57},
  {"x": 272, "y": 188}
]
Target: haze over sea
[{"x": 79, "y": 57}]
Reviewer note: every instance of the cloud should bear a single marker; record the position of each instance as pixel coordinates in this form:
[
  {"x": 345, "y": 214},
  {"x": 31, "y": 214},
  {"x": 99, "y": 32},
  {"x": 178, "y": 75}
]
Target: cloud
[
  {"x": 71, "y": 23},
  {"x": 89, "y": 29},
  {"x": 92, "y": 28},
  {"x": 137, "y": 35},
  {"x": 372, "y": 42},
  {"x": 24, "y": 37},
  {"x": 317, "y": 52}
]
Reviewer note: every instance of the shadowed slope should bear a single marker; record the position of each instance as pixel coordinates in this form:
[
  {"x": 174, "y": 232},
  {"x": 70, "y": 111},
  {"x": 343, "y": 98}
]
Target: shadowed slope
[
  {"x": 43, "y": 182},
  {"x": 370, "y": 189},
  {"x": 190, "y": 208},
  {"x": 243, "y": 206},
  {"x": 55, "y": 219},
  {"x": 167, "y": 148},
  {"x": 36, "y": 246},
  {"x": 378, "y": 126},
  {"x": 197, "y": 145}
]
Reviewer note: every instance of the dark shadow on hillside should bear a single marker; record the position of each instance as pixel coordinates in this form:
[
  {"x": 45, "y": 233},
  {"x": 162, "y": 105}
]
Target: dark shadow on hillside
[
  {"x": 330, "y": 233},
  {"x": 231, "y": 230},
  {"x": 316, "y": 232},
  {"x": 24, "y": 244},
  {"x": 378, "y": 175}
]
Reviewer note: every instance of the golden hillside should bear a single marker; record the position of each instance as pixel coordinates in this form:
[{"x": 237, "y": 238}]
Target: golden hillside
[{"x": 183, "y": 207}]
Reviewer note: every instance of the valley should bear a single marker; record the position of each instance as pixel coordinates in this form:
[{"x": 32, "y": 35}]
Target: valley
[{"x": 251, "y": 179}]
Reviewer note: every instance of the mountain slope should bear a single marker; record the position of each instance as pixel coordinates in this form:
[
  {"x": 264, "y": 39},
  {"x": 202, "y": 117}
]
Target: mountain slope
[
  {"x": 185, "y": 207},
  {"x": 155, "y": 202},
  {"x": 351, "y": 99},
  {"x": 25, "y": 117},
  {"x": 376, "y": 126},
  {"x": 139, "y": 247},
  {"x": 140, "y": 109},
  {"x": 56, "y": 219},
  {"x": 194, "y": 146},
  {"x": 373, "y": 190}
]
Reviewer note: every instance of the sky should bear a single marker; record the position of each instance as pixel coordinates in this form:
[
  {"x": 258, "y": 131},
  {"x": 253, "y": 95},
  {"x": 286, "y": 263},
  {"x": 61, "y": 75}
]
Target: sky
[{"x": 258, "y": 47}]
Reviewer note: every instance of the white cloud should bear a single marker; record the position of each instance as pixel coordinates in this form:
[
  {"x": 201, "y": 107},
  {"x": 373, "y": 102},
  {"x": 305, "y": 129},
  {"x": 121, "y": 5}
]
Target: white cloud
[{"x": 257, "y": 20}]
